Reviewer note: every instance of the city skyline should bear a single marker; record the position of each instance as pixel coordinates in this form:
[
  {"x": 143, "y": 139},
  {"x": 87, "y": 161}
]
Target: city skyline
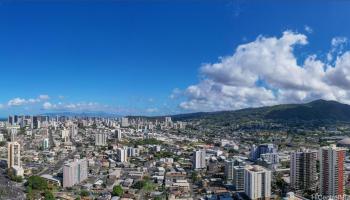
[{"x": 87, "y": 56}]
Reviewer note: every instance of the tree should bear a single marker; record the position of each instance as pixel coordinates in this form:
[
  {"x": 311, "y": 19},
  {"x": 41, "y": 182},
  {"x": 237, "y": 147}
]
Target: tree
[
  {"x": 149, "y": 186},
  {"x": 37, "y": 183},
  {"x": 48, "y": 195},
  {"x": 2, "y": 143},
  {"x": 18, "y": 179},
  {"x": 117, "y": 191},
  {"x": 84, "y": 193},
  {"x": 194, "y": 176},
  {"x": 139, "y": 184},
  {"x": 94, "y": 126}
]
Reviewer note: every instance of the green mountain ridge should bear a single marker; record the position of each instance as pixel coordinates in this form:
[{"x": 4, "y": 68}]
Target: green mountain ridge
[{"x": 318, "y": 110}]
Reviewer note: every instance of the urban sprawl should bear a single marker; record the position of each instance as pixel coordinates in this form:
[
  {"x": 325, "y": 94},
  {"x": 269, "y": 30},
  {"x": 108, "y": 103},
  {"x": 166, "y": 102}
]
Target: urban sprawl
[{"x": 61, "y": 157}]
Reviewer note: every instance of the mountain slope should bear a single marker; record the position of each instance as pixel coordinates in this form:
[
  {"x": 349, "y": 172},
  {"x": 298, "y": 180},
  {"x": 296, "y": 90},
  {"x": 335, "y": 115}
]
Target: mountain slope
[
  {"x": 315, "y": 110},
  {"x": 318, "y": 110}
]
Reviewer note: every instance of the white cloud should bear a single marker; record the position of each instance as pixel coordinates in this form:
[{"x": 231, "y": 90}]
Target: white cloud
[
  {"x": 336, "y": 41},
  {"x": 48, "y": 106},
  {"x": 337, "y": 47},
  {"x": 266, "y": 72},
  {"x": 17, "y": 102},
  {"x": 81, "y": 106},
  {"x": 21, "y": 101},
  {"x": 308, "y": 29}
]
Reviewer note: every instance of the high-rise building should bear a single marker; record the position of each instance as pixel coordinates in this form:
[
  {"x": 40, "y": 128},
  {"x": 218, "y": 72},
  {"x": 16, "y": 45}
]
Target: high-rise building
[
  {"x": 35, "y": 122},
  {"x": 125, "y": 122},
  {"x": 13, "y": 120},
  {"x": 238, "y": 177},
  {"x": 257, "y": 182},
  {"x": 2, "y": 137},
  {"x": 256, "y": 151},
  {"x": 13, "y": 154},
  {"x": 13, "y": 134},
  {"x": 65, "y": 134},
  {"x": 46, "y": 143},
  {"x": 74, "y": 172},
  {"x": 229, "y": 164},
  {"x": 332, "y": 171},
  {"x": 198, "y": 159},
  {"x": 167, "y": 119},
  {"x": 303, "y": 174},
  {"x": 234, "y": 173},
  {"x": 118, "y": 134},
  {"x": 269, "y": 160},
  {"x": 73, "y": 130},
  {"x": 101, "y": 139},
  {"x": 133, "y": 152},
  {"x": 122, "y": 154},
  {"x": 10, "y": 120}
]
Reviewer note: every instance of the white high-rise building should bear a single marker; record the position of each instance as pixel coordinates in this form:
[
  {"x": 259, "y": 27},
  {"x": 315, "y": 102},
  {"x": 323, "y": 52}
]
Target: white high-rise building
[
  {"x": 168, "y": 120},
  {"x": 100, "y": 139},
  {"x": 2, "y": 137},
  {"x": 74, "y": 172},
  {"x": 13, "y": 154},
  {"x": 257, "y": 182},
  {"x": 122, "y": 154},
  {"x": 125, "y": 122},
  {"x": 13, "y": 134},
  {"x": 198, "y": 159},
  {"x": 65, "y": 134}
]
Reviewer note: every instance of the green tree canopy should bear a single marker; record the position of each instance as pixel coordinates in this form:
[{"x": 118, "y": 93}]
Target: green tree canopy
[
  {"x": 37, "y": 183},
  {"x": 48, "y": 195},
  {"x": 84, "y": 193},
  {"x": 117, "y": 191}
]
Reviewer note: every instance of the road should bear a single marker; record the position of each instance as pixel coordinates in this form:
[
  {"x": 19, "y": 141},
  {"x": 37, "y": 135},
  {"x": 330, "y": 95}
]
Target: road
[{"x": 59, "y": 164}]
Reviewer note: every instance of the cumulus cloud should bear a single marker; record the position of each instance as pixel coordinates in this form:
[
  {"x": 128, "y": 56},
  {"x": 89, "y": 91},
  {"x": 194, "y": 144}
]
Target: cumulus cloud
[
  {"x": 266, "y": 72},
  {"x": 81, "y": 106},
  {"x": 47, "y": 106},
  {"x": 336, "y": 41},
  {"x": 337, "y": 47},
  {"x": 17, "y": 102},
  {"x": 21, "y": 101}
]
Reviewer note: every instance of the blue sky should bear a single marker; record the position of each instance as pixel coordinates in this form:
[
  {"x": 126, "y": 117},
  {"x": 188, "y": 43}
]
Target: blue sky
[{"x": 142, "y": 57}]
